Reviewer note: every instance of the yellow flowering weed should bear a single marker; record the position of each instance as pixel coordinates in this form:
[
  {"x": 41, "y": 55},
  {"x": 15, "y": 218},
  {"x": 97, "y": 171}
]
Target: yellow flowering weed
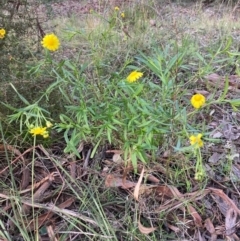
[
  {"x": 198, "y": 100},
  {"x": 123, "y": 15},
  {"x": 39, "y": 131},
  {"x": 2, "y": 33},
  {"x": 195, "y": 140},
  {"x": 49, "y": 124},
  {"x": 50, "y": 42},
  {"x": 134, "y": 76},
  {"x": 116, "y": 8}
]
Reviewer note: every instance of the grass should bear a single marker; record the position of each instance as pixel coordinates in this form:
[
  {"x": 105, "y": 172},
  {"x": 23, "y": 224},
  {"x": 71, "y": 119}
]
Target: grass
[{"x": 82, "y": 181}]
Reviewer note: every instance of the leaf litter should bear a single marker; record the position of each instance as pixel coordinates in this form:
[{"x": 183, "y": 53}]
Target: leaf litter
[{"x": 52, "y": 199}]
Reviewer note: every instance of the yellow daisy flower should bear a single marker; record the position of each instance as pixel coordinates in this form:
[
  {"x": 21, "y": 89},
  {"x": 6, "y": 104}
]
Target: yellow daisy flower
[
  {"x": 134, "y": 76},
  {"x": 2, "y": 33},
  {"x": 116, "y": 8},
  {"x": 195, "y": 140},
  {"x": 50, "y": 42},
  {"x": 123, "y": 15},
  {"x": 198, "y": 100},
  {"x": 39, "y": 131}
]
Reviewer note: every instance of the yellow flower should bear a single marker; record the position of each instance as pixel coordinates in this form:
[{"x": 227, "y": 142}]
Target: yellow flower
[
  {"x": 199, "y": 175},
  {"x": 2, "y": 33},
  {"x": 50, "y": 42},
  {"x": 196, "y": 140},
  {"x": 198, "y": 100},
  {"x": 134, "y": 76},
  {"x": 116, "y": 8},
  {"x": 39, "y": 131},
  {"x": 48, "y": 124},
  {"x": 123, "y": 15}
]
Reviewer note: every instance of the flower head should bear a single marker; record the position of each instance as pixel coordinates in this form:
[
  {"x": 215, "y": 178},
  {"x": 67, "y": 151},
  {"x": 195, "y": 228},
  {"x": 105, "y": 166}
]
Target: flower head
[
  {"x": 123, "y": 15},
  {"x": 195, "y": 140},
  {"x": 134, "y": 76},
  {"x": 116, "y": 8},
  {"x": 2, "y": 33},
  {"x": 39, "y": 131},
  {"x": 198, "y": 100},
  {"x": 48, "y": 124},
  {"x": 50, "y": 42},
  {"x": 199, "y": 175}
]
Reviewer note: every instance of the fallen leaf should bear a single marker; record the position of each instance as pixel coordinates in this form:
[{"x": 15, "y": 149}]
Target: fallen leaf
[
  {"x": 172, "y": 192},
  {"x": 112, "y": 181},
  {"x": 224, "y": 201},
  {"x": 153, "y": 179},
  {"x": 173, "y": 228},
  {"x": 230, "y": 221},
  {"x": 145, "y": 230},
  {"x": 210, "y": 228},
  {"x": 215, "y": 157},
  {"x": 117, "y": 158},
  {"x": 137, "y": 187},
  {"x": 114, "y": 151},
  {"x": 51, "y": 233},
  {"x": 219, "y": 81}
]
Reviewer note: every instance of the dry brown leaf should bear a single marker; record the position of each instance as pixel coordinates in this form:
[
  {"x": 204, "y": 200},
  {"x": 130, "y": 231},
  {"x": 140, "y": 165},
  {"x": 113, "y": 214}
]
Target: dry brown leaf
[
  {"x": 51, "y": 233},
  {"x": 145, "y": 230},
  {"x": 230, "y": 221},
  {"x": 199, "y": 238},
  {"x": 225, "y": 200},
  {"x": 210, "y": 228},
  {"x": 25, "y": 177},
  {"x": 15, "y": 151},
  {"x": 219, "y": 81},
  {"x": 196, "y": 217},
  {"x": 112, "y": 181},
  {"x": 153, "y": 179},
  {"x": 236, "y": 170},
  {"x": 47, "y": 217},
  {"x": 177, "y": 202},
  {"x": 216, "y": 78},
  {"x": 173, "y": 228},
  {"x": 164, "y": 191},
  {"x": 114, "y": 151},
  {"x": 117, "y": 158},
  {"x": 73, "y": 168},
  {"x": 59, "y": 211},
  {"x": 137, "y": 187},
  {"x": 215, "y": 157},
  {"x": 38, "y": 195}
]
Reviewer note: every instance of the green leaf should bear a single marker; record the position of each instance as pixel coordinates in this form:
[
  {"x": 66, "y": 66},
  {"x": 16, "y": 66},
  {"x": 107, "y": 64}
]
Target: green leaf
[
  {"x": 226, "y": 85},
  {"x": 234, "y": 103},
  {"x": 19, "y": 95}
]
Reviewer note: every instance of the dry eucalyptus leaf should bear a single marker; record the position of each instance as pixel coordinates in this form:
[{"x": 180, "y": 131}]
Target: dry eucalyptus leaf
[
  {"x": 117, "y": 158},
  {"x": 236, "y": 170},
  {"x": 215, "y": 157},
  {"x": 216, "y": 134},
  {"x": 145, "y": 230},
  {"x": 113, "y": 181},
  {"x": 137, "y": 187},
  {"x": 209, "y": 226},
  {"x": 230, "y": 221}
]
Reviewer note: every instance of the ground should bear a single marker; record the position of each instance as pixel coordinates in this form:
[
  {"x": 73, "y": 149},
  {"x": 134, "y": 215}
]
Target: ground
[{"x": 98, "y": 194}]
